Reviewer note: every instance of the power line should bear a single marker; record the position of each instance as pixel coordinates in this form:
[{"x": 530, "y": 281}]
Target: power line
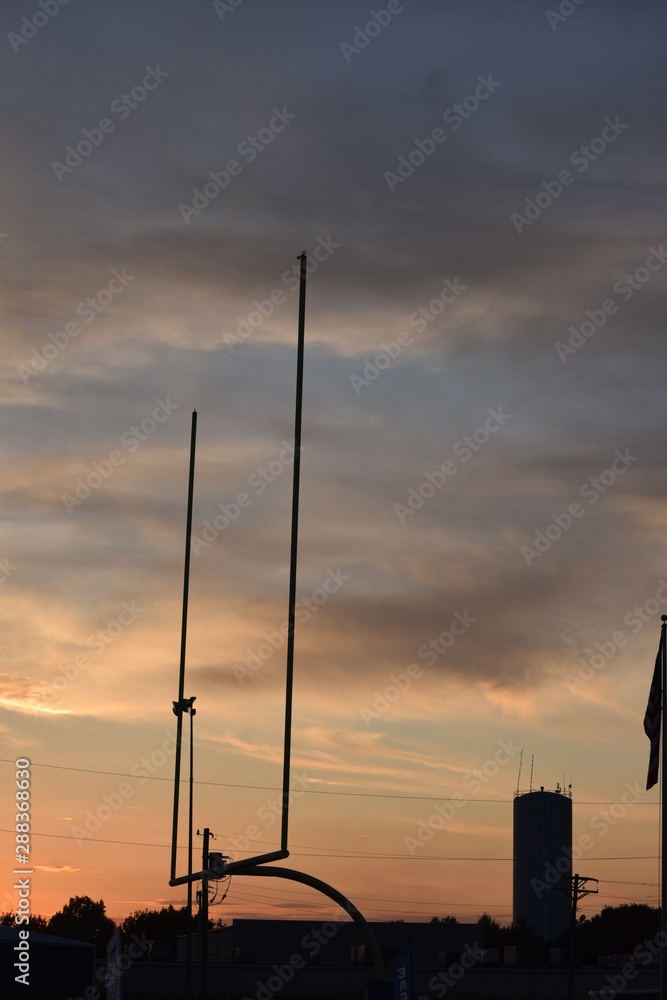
[
  {"x": 341, "y": 857},
  {"x": 302, "y": 897},
  {"x": 287, "y": 893},
  {"x": 298, "y": 898},
  {"x": 310, "y": 791},
  {"x": 613, "y": 881},
  {"x": 426, "y": 911}
]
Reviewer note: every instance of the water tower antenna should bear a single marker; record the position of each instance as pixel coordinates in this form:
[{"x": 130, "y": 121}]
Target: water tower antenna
[{"x": 518, "y": 780}]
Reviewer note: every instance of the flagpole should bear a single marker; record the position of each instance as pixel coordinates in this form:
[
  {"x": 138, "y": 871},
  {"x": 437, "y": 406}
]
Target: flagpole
[{"x": 663, "y": 801}]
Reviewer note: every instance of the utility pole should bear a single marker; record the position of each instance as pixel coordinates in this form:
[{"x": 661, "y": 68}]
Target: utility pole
[
  {"x": 188, "y": 957},
  {"x": 578, "y": 890},
  {"x": 203, "y": 921}
]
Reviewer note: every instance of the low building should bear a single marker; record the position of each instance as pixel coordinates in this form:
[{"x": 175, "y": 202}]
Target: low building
[{"x": 58, "y": 968}]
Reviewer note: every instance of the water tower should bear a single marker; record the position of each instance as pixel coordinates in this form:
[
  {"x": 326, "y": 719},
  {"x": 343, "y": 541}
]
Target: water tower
[{"x": 543, "y": 850}]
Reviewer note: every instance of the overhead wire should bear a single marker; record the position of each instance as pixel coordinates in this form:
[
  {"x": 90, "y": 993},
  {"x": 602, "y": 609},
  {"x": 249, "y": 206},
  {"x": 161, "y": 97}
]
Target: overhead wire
[
  {"x": 311, "y": 791},
  {"x": 359, "y": 856},
  {"x": 315, "y": 851}
]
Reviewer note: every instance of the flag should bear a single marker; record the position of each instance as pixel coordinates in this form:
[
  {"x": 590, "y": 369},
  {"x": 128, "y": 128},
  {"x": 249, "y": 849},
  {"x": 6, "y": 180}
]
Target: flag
[
  {"x": 652, "y": 720},
  {"x": 403, "y": 975}
]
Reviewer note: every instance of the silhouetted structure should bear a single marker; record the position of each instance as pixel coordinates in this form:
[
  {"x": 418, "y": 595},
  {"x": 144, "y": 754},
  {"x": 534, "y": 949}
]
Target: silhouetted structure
[
  {"x": 58, "y": 967},
  {"x": 543, "y": 861}
]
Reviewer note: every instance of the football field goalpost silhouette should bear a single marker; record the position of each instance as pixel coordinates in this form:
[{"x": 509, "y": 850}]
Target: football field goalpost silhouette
[{"x": 259, "y": 866}]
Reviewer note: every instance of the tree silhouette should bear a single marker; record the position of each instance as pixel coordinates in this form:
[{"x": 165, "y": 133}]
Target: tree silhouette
[
  {"x": 617, "y": 930},
  {"x": 163, "y": 925},
  {"x": 37, "y": 923},
  {"x": 495, "y": 936},
  {"x": 523, "y": 934},
  {"x": 83, "y": 919},
  {"x": 159, "y": 925}
]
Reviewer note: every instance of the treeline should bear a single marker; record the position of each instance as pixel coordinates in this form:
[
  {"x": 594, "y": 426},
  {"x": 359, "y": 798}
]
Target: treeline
[
  {"x": 616, "y": 930},
  {"x": 85, "y": 919}
]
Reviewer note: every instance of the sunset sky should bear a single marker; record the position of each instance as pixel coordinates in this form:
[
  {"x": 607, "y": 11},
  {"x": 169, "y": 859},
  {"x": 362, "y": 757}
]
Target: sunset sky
[{"x": 479, "y": 187}]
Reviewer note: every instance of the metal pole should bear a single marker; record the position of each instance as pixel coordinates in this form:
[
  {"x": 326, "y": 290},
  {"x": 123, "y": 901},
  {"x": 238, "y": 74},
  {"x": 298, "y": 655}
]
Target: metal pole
[
  {"x": 573, "y": 924},
  {"x": 204, "y": 921},
  {"x": 232, "y": 868},
  {"x": 188, "y": 940},
  {"x": 293, "y": 552},
  {"x": 663, "y": 800},
  {"x": 184, "y": 625}
]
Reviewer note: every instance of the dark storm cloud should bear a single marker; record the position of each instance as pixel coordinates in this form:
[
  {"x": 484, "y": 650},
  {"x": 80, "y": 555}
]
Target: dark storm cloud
[
  {"x": 323, "y": 176},
  {"x": 352, "y": 123}
]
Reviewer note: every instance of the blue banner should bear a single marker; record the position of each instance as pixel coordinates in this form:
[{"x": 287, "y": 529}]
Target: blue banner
[{"x": 403, "y": 975}]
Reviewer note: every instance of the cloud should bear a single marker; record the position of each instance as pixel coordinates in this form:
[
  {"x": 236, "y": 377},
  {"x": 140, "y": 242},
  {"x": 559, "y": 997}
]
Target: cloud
[
  {"x": 22, "y": 694},
  {"x": 57, "y": 868},
  {"x": 68, "y": 402}
]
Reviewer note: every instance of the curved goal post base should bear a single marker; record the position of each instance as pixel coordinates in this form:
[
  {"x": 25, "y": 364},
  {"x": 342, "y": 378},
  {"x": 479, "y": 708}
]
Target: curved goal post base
[
  {"x": 338, "y": 897},
  {"x": 269, "y": 871}
]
